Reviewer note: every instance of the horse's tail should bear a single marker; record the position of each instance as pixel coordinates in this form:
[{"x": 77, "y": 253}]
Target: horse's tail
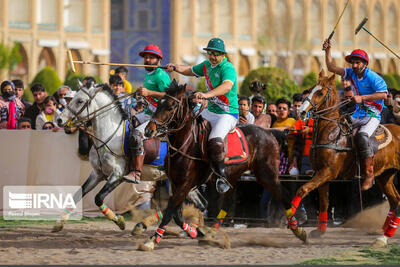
[{"x": 281, "y": 137}]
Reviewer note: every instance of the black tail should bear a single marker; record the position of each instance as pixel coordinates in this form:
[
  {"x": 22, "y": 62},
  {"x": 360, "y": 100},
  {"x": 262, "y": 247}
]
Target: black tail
[{"x": 281, "y": 137}]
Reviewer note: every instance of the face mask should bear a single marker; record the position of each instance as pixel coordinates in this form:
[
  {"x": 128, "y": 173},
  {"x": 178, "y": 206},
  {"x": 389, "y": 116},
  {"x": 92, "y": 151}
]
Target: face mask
[
  {"x": 63, "y": 102},
  {"x": 49, "y": 110},
  {"x": 8, "y": 94}
]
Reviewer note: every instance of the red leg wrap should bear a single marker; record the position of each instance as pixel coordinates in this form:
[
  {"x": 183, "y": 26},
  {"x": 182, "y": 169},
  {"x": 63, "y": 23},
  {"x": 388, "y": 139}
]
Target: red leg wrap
[
  {"x": 192, "y": 232},
  {"x": 292, "y": 222},
  {"x": 295, "y": 203},
  {"x": 392, "y": 227},
  {"x": 159, "y": 234},
  {"x": 322, "y": 221},
  {"x": 388, "y": 219},
  {"x": 218, "y": 224}
]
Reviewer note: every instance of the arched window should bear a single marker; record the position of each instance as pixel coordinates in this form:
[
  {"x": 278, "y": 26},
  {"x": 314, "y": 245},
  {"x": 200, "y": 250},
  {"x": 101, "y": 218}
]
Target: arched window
[
  {"x": 95, "y": 69},
  {"x": 392, "y": 68},
  {"x": 392, "y": 35},
  {"x": 298, "y": 22},
  {"x": 298, "y": 69},
  {"x": 244, "y": 18},
  {"x": 362, "y": 36},
  {"x": 377, "y": 66},
  {"x": 21, "y": 71},
  {"x": 75, "y": 56},
  {"x": 331, "y": 16},
  {"x": 282, "y": 22},
  {"x": 204, "y": 17},
  {"x": 347, "y": 26},
  {"x": 47, "y": 58},
  {"x": 244, "y": 66},
  {"x": 282, "y": 63},
  {"x": 377, "y": 23},
  {"x": 74, "y": 15},
  {"x": 315, "y": 22},
  {"x": 262, "y": 19},
  {"x": 315, "y": 65}
]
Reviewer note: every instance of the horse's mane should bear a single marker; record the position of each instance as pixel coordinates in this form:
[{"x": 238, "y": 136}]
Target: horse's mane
[
  {"x": 174, "y": 88},
  {"x": 107, "y": 89}
]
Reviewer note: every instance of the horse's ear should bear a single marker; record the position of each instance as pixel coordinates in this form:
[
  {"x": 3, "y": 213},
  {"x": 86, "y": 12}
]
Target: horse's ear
[
  {"x": 80, "y": 84},
  {"x": 332, "y": 78},
  {"x": 264, "y": 86},
  {"x": 322, "y": 74}
]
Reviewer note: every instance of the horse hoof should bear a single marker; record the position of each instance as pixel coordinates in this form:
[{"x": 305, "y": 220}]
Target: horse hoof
[
  {"x": 316, "y": 234},
  {"x": 120, "y": 222},
  {"x": 148, "y": 246},
  {"x": 300, "y": 233},
  {"x": 139, "y": 229},
  {"x": 57, "y": 227},
  {"x": 380, "y": 242}
]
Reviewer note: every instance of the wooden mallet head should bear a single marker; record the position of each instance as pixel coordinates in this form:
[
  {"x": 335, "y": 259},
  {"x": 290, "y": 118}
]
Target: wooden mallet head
[{"x": 71, "y": 60}]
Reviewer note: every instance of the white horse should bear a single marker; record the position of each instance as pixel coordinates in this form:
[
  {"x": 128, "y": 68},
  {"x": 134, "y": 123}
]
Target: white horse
[
  {"x": 99, "y": 105},
  {"x": 106, "y": 156}
]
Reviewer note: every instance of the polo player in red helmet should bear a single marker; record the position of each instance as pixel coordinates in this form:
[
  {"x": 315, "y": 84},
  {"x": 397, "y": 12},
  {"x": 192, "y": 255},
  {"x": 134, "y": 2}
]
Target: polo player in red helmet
[
  {"x": 155, "y": 82},
  {"x": 370, "y": 89}
]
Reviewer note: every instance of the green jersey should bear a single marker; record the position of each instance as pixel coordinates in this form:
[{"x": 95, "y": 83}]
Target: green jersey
[
  {"x": 214, "y": 77},
  {"x": 157, "y": 81}
]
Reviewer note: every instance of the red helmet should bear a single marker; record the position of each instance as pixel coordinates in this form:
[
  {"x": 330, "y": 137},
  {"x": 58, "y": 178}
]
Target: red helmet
[
  {"x": 151, "y": 49},
  {"x": 358, "y": 53}
]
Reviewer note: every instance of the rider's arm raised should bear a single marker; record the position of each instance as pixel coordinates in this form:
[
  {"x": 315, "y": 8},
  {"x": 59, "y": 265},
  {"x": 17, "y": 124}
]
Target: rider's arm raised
[
  {"x": 182, "y": 69},
  {"x": 329, "y": 62}
]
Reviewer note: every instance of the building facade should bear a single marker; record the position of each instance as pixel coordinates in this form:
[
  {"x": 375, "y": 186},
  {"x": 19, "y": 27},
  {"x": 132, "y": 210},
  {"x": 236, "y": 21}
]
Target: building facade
[
  {"x": 284, "y": 33},
  {"x": 135, "y": 24},
  {"x": 46, "y": 29}
]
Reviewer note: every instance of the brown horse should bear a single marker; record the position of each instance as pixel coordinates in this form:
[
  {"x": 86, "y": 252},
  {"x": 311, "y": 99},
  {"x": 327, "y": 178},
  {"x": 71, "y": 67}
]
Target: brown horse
[
  {"x": 332, "y": 155},
  {"x": 186, "y": 167}
]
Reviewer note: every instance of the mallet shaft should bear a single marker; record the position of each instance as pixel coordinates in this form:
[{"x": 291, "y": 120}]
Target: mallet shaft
[
  {"x": 337, "y": 23},
  {"x": 381, "y": 42},
  {"x": 115, "y": 64}
]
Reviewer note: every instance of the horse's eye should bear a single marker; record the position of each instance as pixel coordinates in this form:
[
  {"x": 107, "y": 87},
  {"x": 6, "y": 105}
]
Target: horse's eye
[
  {"x": 171, "y": 108},
  {"x": 80, "y": 101},
  {"x": 319, "y": 93}
]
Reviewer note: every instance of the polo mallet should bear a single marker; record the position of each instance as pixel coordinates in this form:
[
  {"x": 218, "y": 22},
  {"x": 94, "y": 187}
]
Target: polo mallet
[
  {"x": 72, "y": 63},
  {"x": 337, "y": 23},
  {"x": 361, "y": 26}
]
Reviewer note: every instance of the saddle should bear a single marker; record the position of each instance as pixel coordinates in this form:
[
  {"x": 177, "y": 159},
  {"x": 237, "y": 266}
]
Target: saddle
[
  {"x": 380, "y": 139},
  {"x": 236, "y": 146}
]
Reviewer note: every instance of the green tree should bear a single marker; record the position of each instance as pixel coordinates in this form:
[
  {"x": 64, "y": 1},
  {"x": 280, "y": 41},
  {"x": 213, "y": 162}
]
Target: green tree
[
  {"x": 49, "y": 79},
  {"x": 390, "y": 80},
  {"x": 397, "y": 78},
  {"x": 278, "y": 83},
  {"x": 10, "y": 57},
  {"x": 71, "y": 79},
  {"x": 309, "y": 80}
]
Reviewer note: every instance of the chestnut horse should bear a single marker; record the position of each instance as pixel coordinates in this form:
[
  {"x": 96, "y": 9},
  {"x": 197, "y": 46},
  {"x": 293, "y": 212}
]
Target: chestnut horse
[
  {"x": 332, "y": 155},
  {"x": 187, "y": 169}
]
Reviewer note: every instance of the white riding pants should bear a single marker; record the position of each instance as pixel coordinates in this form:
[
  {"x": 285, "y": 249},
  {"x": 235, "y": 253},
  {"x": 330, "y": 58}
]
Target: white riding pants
[
  {"x": 221, "y": 124},
  {"x": 368, "y": 125}
]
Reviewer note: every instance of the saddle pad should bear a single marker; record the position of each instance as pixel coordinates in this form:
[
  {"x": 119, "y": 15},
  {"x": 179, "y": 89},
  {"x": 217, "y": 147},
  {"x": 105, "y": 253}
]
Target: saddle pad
[
  {"x": 159, "y": 161},
  {"x": 237, "y": 149},
  {"x": 383, "y": 136}
]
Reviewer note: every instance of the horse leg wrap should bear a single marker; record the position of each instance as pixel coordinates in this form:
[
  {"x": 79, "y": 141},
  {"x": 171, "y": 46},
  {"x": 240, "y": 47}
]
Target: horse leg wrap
[
  {"x": 392, "y": 227},
  {"x": 159, "y": 233},
  {"x": 322, "y": 221},
  {"x": 108, "y": 213},
  {"x": 192, "y": 232},
  {"x": 292, "y": 223},
  {"x": 295, "y": 204},
  {"x": 388, "y": 219}
]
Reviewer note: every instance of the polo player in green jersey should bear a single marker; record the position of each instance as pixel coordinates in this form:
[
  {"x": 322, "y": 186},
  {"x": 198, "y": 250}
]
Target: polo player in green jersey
[
  {"x": 155, "y": 82},
  {"x": 222, "y": 111}
]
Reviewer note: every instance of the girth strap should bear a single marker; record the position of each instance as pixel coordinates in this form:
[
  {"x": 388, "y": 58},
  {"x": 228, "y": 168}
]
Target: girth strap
[{"x": 333, "y": 147}]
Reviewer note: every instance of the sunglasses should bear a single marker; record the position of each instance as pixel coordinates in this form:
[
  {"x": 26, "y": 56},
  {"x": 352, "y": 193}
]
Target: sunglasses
[
  {"x": 47, "y": 128},
  {"x": 214, "y": 53}
]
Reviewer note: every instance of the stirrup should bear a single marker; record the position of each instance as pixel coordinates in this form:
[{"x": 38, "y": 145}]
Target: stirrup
[
  {"x": 222, "y": 185},
  {"x": 133, "y": 177}
]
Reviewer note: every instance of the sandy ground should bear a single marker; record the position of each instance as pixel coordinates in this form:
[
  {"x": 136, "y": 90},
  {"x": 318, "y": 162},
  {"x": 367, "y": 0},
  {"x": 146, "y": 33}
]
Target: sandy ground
[{"x": 104, "y": 243}]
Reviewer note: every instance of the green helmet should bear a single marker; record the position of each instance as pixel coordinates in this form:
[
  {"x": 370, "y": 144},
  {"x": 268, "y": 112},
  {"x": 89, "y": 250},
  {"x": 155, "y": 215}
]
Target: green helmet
[{"x": 216, "y": 44}]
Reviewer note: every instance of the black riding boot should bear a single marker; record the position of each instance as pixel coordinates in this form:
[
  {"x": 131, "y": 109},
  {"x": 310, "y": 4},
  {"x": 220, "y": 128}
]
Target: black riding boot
[
  {"x": 216, "y": 155},
  {"x": 366, "y": 159}
]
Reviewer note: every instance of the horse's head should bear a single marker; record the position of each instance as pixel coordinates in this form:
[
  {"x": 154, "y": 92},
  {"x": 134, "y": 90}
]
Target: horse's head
[
  {"x": 320, "y": 95},
  {"x": 80, "y": 106},
  {"x": 169, "y": 109},
  {"x": 257, "y": 87}
]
